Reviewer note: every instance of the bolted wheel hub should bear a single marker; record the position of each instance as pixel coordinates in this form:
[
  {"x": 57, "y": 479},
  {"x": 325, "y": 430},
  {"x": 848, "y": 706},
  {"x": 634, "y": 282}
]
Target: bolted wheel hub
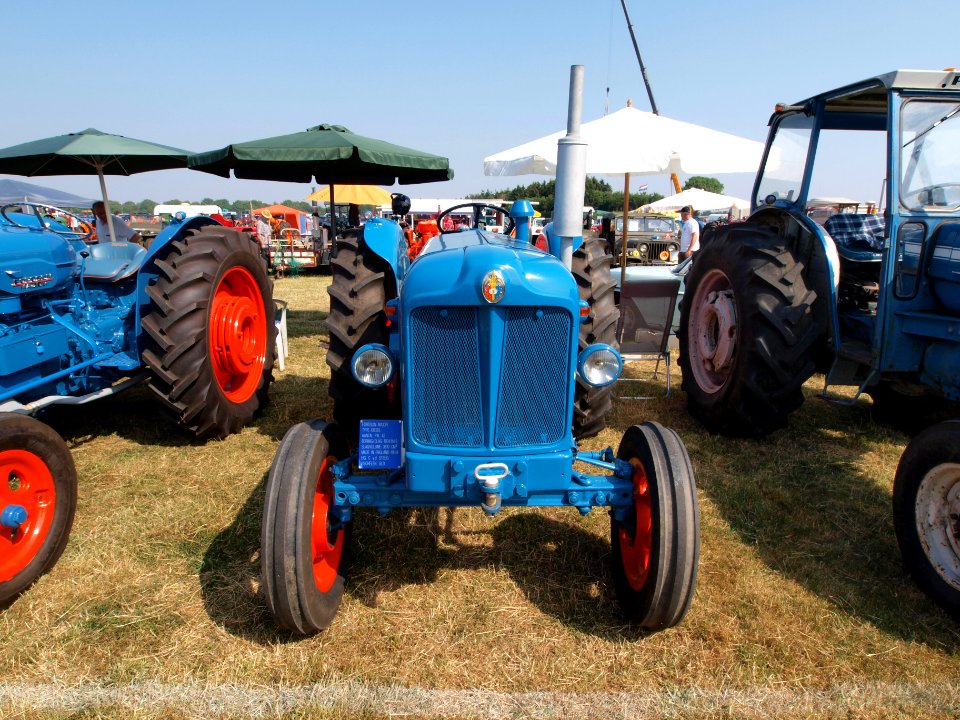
[
  {"x": 238, "y": 334},
  {"x": 938, "y": 520},
  {"x": 713, "y": 331}
]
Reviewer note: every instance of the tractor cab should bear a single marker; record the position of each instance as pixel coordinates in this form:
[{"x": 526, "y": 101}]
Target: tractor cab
[{"x": 893, "y": 265}]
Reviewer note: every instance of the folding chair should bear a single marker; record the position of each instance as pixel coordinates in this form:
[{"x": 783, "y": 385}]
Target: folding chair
[{"x": 647, "y": 306}]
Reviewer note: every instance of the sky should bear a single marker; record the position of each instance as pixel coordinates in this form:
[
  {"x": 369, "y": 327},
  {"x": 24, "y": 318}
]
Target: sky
[{"x": 459, "y": 79}]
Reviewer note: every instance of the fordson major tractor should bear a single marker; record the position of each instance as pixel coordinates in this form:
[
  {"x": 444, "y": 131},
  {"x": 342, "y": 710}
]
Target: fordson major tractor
[
  {"x": 193, "y": 316},
  {"x": 461, "y": 379},
  {"x": 870, "y": 300}
]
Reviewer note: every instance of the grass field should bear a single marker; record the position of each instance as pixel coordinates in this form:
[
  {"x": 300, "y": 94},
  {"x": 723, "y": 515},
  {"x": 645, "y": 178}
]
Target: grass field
[{"x": 802, "y": 607}]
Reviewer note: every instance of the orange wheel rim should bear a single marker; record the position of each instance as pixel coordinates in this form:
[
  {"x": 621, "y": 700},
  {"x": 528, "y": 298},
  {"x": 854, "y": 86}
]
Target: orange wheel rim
[
  {"x": 238, "y": 334},
  {"x": 326, "y": 555},
  {"x": 635, "y": 547},
  {"x": 25, "y": 480}
]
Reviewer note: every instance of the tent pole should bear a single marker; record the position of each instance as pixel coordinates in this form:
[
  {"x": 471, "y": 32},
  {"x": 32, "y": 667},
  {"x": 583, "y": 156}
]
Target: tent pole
[
  {"x": 626, "y": 230},
  {"x": 106, "y": 205}
]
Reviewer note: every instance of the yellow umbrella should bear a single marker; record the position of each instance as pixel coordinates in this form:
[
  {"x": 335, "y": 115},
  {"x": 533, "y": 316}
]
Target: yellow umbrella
[{"x": 354, "y": 194}]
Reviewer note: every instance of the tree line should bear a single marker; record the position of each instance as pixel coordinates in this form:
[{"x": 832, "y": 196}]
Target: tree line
[{"x": 599, "y": 194}]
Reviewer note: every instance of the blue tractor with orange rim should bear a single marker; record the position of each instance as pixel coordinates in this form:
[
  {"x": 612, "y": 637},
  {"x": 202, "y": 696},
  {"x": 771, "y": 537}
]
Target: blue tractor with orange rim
[
  {"x": 192, "y": 316},
  {"x": 463, "y": 378}
]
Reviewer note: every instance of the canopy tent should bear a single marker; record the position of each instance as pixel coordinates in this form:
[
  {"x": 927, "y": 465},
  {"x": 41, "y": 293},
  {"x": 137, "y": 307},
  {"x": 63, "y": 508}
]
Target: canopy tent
[
  {"x": 12, "y": 191},
  {"x": 90, "y": 152},
  {"x": 699, "y": 200},
  {"x": 635, "y": 142},
  {"x": 293, "y": 217},
  {"x": 353, "y": 194}
]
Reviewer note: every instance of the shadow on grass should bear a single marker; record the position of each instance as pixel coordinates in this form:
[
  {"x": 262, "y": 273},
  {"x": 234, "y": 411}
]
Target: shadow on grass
[
  {"x": 562, "y": 569},
  {"x": 805, "y": 499}
]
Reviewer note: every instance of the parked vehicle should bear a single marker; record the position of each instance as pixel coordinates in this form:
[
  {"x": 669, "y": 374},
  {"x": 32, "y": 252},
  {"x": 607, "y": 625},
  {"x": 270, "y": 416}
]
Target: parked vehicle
[
  {"x": 873, "y": 301},
  {"x": 652, "y": 239},
  {"x": 193, "y": 316},
  {"x": 462, "y": 378}
]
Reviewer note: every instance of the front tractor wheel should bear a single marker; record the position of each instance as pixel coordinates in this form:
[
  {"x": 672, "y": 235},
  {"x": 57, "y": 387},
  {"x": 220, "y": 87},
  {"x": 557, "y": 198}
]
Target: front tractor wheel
[
  {"x": 303, "y": 549},
  {"x": 747, "y": 333},
  {"x": 210, "y": 331},
  {"x": 38, "y": 497},
  {"x": 656, "y": 548},
  {"x": 926, "y": 512}
]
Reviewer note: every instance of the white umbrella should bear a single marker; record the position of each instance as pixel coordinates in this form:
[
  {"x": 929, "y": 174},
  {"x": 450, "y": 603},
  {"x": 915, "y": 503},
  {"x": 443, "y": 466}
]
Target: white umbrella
[
  {"x": 699, "y": 200},
  {"x": 635, "y": 142}
]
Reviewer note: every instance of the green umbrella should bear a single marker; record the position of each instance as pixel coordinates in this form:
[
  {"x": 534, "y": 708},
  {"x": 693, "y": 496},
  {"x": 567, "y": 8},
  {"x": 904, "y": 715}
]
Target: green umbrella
[
  {"x": 90, "y": 152},
  {"x": 330, "y": 153}
]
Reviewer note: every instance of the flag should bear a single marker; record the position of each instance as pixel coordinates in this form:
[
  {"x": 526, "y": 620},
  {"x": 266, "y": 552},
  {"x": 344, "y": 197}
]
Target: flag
[{"x": 642, "y": 187}]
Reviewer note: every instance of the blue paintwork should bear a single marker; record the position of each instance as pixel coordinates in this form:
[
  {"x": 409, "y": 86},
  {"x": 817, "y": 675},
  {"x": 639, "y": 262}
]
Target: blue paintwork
[
  {"x": 486, "y": 385},
  {"x": 13, "y": 516},
  {"x": 914, "y": 336},
  {"x": 70, "y": 312}
]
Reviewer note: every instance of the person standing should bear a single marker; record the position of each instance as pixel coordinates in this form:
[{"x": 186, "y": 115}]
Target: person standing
[
  {"x": 124, "y": 232},
  {"x": 689, "y": 232},
  {"x": 264, "y": 232}
]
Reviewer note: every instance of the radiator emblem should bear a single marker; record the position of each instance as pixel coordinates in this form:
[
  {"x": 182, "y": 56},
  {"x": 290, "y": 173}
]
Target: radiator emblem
[{"x": 493, "y": 286}]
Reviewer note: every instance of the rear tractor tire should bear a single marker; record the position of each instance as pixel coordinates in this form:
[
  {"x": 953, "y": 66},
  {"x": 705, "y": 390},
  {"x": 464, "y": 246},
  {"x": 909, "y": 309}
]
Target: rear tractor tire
[
  {"x": 210, "y": 331},
  {"x": 591, "y": 270},
  {"x": 656, "y": 548},
  {"x": 747, "y": 333},
  {"x": 362, "y": 283},
  {"x": 303, "y": 553},
  {"x": 38, "y": 498}
]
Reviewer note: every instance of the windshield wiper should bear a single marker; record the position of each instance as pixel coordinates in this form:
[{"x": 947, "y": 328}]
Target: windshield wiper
[{"x": 946, "y": 117}]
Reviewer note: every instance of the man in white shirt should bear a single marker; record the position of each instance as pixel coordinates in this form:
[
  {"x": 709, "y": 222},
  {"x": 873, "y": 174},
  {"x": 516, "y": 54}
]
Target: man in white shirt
[
  {"x": 124, "y": 232},
  {"x": 689, "y": 232}
]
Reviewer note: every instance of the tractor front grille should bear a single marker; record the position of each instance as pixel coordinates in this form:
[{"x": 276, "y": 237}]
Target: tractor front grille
[{"x": 452, "y": 371}]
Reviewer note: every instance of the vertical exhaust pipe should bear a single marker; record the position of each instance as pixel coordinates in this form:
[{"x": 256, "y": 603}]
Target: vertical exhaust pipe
[{"x": 571, "y": 175}]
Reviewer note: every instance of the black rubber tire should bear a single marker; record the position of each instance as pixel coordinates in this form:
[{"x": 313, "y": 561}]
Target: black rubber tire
[
  {"x": 23, "y": 433},
  {"x": 932, "y": 456},
  {"x": 177, "y": 347},
  {"x": 665, "y": 596},
  {"x": 286, "y": 551},
  {"x": 775, "y": 336},
  {"x": 362, "y": 283},
  {"x": 591, "y": 270}
]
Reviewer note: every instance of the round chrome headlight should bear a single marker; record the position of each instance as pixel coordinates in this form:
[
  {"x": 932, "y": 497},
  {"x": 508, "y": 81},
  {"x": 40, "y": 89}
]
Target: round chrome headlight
[
  {"x": 673, "y": 248},
  {"x": 373, "y": 365},
  {"x": 599, "y": 365},
  {"x": 643, "y": 248}
]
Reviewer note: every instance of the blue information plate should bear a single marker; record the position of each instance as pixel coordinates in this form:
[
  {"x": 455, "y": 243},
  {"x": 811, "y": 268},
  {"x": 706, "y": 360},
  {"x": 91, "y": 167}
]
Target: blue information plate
[{"x": 381, "y": 444}]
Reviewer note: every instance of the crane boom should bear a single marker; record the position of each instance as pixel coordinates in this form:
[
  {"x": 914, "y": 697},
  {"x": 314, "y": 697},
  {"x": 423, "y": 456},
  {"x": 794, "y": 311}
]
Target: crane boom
[{"x": 674, "y": 178}]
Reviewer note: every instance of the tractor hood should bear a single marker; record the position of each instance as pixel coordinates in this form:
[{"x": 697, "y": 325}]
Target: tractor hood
[
  {"x": 456, "y": 268},
  {"x": 32, "y": 260}
]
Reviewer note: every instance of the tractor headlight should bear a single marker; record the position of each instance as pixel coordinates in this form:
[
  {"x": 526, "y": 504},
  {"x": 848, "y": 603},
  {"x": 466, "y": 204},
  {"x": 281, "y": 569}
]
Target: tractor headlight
[
  {"x": 599, "y": 365},
  {"x": 373, "y": 365},
  {"x": 672, "y": 247},
  {"x": 643, "y": 248}
]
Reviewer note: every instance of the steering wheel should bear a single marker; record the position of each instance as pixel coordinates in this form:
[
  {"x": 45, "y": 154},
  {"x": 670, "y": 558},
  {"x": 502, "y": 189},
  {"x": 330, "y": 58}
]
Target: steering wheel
[
  {"x": 45, "y": 222},
  {"x": 478, "y": 209}
]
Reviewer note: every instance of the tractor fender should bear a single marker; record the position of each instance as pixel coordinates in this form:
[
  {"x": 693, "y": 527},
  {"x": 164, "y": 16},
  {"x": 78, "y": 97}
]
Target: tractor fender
[
  {"x": 386, "y": 239},
  {"x": 813, "y": 244}
]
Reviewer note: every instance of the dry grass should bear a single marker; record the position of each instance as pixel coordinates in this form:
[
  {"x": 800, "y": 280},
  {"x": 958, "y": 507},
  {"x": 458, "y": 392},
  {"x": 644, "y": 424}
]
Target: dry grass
[{"x": 801, "y": 596}]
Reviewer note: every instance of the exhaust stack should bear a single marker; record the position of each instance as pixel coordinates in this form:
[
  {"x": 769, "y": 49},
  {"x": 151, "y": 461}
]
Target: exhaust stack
[{"x": 571, "y": 175}]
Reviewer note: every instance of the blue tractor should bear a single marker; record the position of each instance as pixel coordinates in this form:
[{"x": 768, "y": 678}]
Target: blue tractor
[
  {"x": 463, "y": 379},
  {"x": 192, "y": 315},
  {"x": 872, "y": 300}
]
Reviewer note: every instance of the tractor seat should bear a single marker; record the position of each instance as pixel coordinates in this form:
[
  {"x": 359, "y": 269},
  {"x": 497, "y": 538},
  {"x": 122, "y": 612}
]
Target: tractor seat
[
  {"x": 113, "y": 261},
  {"x": 859, "y": 237}
]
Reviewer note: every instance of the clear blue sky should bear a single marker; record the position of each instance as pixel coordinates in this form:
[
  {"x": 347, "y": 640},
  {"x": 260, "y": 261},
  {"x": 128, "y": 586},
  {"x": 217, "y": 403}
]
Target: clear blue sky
[{"x": 464, "y": 80}]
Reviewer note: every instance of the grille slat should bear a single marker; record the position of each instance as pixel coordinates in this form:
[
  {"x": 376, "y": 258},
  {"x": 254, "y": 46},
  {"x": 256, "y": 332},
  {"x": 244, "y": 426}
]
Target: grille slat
[
  {"x": 531, "y": 377},
  {"x": 532, "y": 399}
]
